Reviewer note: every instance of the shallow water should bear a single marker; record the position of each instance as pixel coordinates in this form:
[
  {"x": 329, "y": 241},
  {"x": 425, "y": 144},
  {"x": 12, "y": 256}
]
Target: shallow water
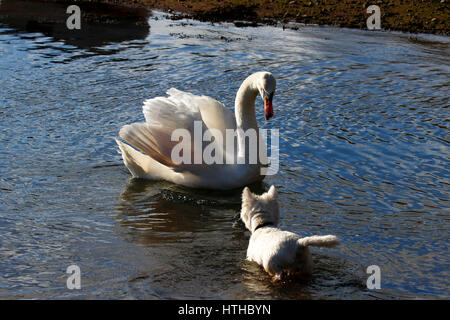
[{"x": 364, "y": 154}]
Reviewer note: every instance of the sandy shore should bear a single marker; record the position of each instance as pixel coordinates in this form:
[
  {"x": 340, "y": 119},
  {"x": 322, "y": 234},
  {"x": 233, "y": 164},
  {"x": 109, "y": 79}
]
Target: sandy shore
[{"x": 427, "y": 16}]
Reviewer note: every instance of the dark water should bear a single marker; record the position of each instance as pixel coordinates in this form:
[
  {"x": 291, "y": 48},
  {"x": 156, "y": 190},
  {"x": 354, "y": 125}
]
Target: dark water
[{"x": 364, "y": 154}]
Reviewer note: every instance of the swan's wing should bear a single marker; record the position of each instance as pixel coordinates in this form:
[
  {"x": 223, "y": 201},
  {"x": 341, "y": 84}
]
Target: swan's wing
[
  {"x": 215, "y": 115},
  {"x": 179, "y": 110},
  {"x": 183, "y": 108}
]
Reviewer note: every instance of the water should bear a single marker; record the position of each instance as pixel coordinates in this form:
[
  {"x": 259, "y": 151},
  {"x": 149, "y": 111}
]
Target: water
[{"x": 364, "y": 154}]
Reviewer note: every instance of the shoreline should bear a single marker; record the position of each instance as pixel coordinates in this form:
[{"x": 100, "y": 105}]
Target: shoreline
[{"x": 427, "y": 16}]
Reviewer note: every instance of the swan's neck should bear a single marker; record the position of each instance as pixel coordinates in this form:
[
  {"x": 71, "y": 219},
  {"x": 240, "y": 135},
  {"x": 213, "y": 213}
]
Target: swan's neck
[
  {"x": 244, "y": 110},
  {"x": 244, "y": 107}
]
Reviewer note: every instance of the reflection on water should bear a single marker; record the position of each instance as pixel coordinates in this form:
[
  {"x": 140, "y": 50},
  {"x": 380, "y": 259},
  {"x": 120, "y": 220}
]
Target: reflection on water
[
  {"x": 101, "y": 23},
  {"x": 363, "y": 120},
  {"x": 152, "y": 214}
]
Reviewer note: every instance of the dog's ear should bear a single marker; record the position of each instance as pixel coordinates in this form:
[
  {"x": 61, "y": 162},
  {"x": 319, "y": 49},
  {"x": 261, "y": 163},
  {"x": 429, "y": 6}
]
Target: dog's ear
[
  {"x": 272, "y": 192},
  {"x": 247, "y": 194},
  {"x": 247, "y": 202},
  {"x": 248, "y": 199}
]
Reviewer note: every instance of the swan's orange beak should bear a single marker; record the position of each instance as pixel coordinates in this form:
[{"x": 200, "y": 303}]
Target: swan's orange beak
[{"x": 268, "y": 108}]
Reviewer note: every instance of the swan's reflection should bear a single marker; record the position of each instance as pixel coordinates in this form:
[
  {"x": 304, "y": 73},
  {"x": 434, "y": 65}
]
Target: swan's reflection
[{"x": 161, "y": 212}]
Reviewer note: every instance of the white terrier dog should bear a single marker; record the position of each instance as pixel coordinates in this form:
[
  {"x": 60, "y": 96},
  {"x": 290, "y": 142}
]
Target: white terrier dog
[{"x": 280, "y": 253}]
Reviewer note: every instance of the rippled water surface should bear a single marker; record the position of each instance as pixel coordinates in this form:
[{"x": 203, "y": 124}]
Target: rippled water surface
[{"x": 364, "y": 154}]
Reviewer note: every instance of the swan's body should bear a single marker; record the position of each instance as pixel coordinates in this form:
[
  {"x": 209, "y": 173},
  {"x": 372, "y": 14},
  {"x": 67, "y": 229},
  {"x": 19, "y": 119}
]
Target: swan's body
[{"x": 180, "y": 111}]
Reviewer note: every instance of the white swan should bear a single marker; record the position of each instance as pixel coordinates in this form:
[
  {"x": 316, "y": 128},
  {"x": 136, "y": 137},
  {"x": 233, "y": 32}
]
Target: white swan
[{"x": 180, "y": 111}]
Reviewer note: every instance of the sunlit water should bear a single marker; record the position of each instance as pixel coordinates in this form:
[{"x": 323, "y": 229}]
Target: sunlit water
[{"x": 364, "y": 154}]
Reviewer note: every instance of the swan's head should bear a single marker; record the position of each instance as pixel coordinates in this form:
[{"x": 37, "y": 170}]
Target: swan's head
[{"x": 266, "y": 86}]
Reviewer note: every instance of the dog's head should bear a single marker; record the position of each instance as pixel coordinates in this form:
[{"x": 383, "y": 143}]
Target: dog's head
[{"x": 257, "y": 210}]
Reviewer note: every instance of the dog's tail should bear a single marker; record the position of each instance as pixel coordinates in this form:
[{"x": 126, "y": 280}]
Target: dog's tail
[{"x": 319, "y": 241}]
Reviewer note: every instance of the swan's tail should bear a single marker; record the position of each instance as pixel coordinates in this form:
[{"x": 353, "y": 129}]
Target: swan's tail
[
  {"x": 319, "y": 241},
  {"x": 153, "y": 142},
  {"x": 141, "y": 165}
]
